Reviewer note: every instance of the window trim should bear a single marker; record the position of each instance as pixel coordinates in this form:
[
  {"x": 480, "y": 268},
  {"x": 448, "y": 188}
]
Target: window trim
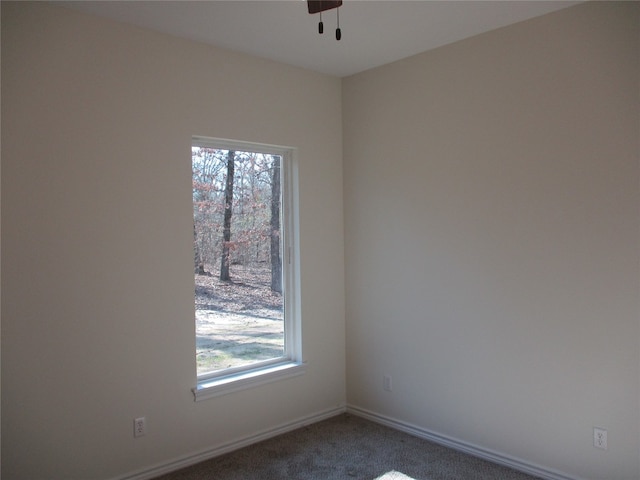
[{"x": 291, "y": 364}]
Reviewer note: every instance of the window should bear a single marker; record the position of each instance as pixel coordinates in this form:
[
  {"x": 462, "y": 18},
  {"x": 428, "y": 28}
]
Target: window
[{"x": 245, "y": 256}]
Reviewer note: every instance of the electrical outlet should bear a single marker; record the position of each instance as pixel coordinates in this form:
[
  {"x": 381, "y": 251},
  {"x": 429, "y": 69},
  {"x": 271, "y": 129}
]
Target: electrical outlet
[
  {"x": 386, "y": 383},
  {"x": 139, "y": 427},
  {"x": 600, "y": 438}
]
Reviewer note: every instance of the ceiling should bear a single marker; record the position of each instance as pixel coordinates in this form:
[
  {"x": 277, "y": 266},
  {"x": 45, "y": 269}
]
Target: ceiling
[{"x": 374, "y": 32}]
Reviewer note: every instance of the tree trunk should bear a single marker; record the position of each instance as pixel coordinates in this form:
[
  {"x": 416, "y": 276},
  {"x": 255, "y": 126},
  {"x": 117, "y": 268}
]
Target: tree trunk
[
  {"x": 228, "y": 210},
  {"x": 197, "y": 258},
  {"x": 276, "y": 261}
]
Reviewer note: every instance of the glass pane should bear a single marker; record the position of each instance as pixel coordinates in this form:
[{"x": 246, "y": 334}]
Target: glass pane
[{"x": 237, "y": 258}]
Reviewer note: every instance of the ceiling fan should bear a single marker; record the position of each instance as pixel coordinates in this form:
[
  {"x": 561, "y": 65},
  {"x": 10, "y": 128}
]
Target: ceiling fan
[{"x": 319, "y": 6}]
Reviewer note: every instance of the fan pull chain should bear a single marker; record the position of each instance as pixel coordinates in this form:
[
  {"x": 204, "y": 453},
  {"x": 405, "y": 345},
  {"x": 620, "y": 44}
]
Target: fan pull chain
[
  {"x": 320, "y": 25},
  {"x": 338, "y": 31}
]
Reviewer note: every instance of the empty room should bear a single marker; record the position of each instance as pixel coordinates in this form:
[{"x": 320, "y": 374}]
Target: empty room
[{"x": 449, "y": 193}]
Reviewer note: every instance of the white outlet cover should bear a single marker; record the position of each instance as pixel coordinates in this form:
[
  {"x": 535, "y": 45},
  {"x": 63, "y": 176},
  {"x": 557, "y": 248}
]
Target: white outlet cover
[
  {"x": 600, "y": 438},
  {"x": 139, "y": 427},
  {"x": 386, "y": 383}
]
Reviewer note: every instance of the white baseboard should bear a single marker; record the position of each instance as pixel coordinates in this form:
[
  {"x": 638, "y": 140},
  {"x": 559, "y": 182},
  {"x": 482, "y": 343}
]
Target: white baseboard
[
  {"x": 485, "y": 454},
  {"x": 476, "y": 451},
  {"x": 197, "y": 457}
]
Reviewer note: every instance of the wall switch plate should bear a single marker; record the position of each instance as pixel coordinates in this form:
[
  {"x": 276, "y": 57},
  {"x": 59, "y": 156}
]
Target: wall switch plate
[
  {"x": 139, "y": 427},
  {"x": 386, "y": 383},
  {"x": 600, "y": 438}
]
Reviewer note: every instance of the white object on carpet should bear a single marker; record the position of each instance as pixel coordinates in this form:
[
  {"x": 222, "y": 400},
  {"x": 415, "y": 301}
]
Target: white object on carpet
[{"x": 393, "y": 475}]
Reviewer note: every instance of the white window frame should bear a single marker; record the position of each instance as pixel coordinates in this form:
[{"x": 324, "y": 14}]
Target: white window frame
[{"x": 291, "y": 364}]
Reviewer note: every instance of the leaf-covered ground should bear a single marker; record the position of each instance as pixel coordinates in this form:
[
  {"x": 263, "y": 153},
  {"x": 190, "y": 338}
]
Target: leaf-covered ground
[{"x": 237, "y": 322}]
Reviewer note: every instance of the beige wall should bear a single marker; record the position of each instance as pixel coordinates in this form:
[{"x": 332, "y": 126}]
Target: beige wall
[
  {"x": 97, "y": 306},
  {"x": 492, "y": 260}
]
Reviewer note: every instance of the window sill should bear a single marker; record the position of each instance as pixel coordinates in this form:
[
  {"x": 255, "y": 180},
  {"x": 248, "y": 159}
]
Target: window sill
[{"x": 216, "y": 387}]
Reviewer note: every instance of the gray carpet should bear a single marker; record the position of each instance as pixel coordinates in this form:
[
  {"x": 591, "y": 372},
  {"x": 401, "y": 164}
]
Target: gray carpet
[{"x": 345, "y": 447}]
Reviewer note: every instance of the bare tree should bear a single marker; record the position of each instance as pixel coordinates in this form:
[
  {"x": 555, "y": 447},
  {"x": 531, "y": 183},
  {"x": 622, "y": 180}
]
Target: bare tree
[
  {"x": 276, "y": 261},
  {"x": 208, "y": 172},
  {"x": 197, "y": 257},
  {"x": 228, "y": 210}
]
